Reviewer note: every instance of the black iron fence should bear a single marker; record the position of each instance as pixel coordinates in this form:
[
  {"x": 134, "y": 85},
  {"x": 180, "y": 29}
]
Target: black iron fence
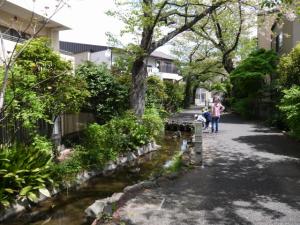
[{"x": 12, "y": 131}]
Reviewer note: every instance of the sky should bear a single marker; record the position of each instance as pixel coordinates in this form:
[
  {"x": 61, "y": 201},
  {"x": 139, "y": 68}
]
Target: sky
[{"x": 86, "y": 18}]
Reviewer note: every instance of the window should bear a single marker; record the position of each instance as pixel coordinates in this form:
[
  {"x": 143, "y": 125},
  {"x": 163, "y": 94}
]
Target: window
[
  {"x": 158, "y": 64},
  {"x": 168, "y": 67},
  {"x": 203, "y": 96},
  {"x": 279, "y": 41}
]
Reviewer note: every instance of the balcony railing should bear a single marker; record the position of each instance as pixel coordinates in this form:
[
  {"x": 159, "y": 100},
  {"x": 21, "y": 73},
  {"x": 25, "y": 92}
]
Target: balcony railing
[
  {"x": 12, "y": 38},
  {"x": 163, "y": 69},
  {"x": 167, "y": 69}
]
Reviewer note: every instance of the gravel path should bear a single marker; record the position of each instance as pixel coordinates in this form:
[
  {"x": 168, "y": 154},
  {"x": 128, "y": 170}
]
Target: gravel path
[{"x": 251, "y": 175}]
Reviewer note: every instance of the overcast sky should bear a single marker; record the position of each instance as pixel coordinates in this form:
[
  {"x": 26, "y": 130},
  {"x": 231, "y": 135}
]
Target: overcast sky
[{"x": 86, "y": 18}]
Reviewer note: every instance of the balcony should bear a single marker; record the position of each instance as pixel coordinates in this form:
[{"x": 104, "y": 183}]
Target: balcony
[
  {"x": 12, "y": 38},
  {"x": 164, "y": 75}
]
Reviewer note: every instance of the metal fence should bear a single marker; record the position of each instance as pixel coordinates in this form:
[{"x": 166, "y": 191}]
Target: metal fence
[{"x": 12, "y": 131}]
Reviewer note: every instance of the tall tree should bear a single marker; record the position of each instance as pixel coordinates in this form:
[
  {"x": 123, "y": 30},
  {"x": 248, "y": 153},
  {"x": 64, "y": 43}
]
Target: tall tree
[
  {"x": 32, "y": 28},
  {"x": 224, "y": 34},
  {"x": 199, "y": 63},
  {"x": 156, "y": 22}
]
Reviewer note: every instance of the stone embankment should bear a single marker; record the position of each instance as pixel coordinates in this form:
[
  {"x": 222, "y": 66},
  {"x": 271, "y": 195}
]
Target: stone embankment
[
  {"x": 108, "y": 207},
  {"x": 111, "y": 166}
]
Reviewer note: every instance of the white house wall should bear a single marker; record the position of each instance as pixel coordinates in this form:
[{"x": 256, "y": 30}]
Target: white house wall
[
  {"x": 81, "y": 58},
  {"x": 101, "y": 57}
]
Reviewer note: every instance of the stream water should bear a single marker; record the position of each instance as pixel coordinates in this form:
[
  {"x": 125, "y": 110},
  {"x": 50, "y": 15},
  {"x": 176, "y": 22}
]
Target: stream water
[{"x": 67, "y": 208}]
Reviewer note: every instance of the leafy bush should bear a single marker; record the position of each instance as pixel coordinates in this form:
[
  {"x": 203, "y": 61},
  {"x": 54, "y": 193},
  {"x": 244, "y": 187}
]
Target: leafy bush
[
  {"x": 176, "y": 163},
  {"x": 289, "y": 68},
  {"x": 155, "y": 94},
  {"x": 69, "y": 168},
  {"x": 245, "y": 107},
  {"x": 175, "y": 95},
  {"x": 103, "y": 143},
  {"x": 25, "y": 171},
  {"x": 153, "y": 123},
  {"x": 42, "y": 85},
  {"x": 249, "y": 81},
  {"x": 109, "y": 97},
  {"x": 290, "y": 106}
]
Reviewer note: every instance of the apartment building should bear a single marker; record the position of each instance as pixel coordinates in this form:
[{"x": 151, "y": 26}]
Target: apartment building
[
  {"x": 18, "y": 24},
  {"x": 158, "y": 63},
  {"x": 279, "y": 35}
]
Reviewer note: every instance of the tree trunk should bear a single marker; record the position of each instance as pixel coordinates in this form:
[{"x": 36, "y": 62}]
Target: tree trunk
[
  {"x": 228, "y": 64},
  {"x": 188, "y": 94},
  {"x": 138, "y": 91}
]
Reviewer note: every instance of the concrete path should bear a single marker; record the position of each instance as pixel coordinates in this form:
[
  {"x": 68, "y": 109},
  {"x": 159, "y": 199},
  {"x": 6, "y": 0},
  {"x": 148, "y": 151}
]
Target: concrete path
[{"x": 251, "y": 176}]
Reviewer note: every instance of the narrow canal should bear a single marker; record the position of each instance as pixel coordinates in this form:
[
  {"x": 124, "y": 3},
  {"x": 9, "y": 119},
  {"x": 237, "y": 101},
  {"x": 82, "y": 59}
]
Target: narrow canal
[{"x": 68, "y": 207}]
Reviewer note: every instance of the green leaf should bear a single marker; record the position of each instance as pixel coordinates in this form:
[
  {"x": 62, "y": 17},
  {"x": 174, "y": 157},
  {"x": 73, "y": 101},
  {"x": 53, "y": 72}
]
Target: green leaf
[
  {"x": 10, "y": 175},
  {"x": 9, "y": 190},
  {"x": 25, "y": 190},
  {"x": 45, "y": 192},
  {"x": 5, "y": 203},
  {"x": 32, "y": 197}
]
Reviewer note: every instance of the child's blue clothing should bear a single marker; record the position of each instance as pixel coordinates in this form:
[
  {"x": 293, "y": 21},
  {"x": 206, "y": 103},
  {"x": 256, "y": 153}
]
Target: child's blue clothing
[{"x": 207, "y": 116}]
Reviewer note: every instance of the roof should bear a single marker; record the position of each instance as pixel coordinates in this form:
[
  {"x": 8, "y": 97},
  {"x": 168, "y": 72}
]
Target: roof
[
  {"x": 26, "y": 14},
  {"x": 79, "y": 47},
  {"x": 158, "y": 54},
  {"x": 75, "y": 48}
]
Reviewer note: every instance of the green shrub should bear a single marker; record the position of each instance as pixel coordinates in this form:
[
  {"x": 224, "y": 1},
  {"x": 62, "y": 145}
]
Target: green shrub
[
  {"x": 153, "y": 123},
  {"x": 176, "y": 163},
  {"x": 155, "y": 94},
  {"x": 126, "y": 133},
  {"x": 25, "y": 171},
  {"x": 108, "y": 96},
  {"x": 289, "y": 68},
  {"x": 103, "y": 143},
  {"x": 175, "y": 95},
  {"x": 70, "y": 167},
  {"x": 249, "y": 81},
  {"x": 290, "y": 106},
  {"x": 245, "y": 107}
]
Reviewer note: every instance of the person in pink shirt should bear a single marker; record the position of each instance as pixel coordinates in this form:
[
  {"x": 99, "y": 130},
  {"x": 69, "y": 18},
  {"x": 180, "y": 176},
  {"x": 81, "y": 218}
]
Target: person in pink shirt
[{"x": 216, "y": 110}]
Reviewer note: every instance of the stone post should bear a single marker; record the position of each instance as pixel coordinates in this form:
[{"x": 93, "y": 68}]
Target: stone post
[{"x": 198, "y": 142}]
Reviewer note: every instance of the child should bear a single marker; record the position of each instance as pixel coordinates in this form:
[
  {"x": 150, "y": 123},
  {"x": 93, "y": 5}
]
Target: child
[
  {"x": 200, "y": 118},
  {"x": 207, "y": 116}
]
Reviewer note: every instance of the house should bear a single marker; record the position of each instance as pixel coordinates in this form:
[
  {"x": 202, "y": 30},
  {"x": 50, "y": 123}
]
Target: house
[
  {"x": 203, "y": 97},
  {"x": 163, "y": 66},
  {"x": 17, "y": 26},
  {"x": 281, "y": 36},
  {"x": 158, "y": 63}
]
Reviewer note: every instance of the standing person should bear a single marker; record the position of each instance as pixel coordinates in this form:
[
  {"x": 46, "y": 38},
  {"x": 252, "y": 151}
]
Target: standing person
[
  {"x": 207, "y": 116},
  {"x": 216, "y": 109}
]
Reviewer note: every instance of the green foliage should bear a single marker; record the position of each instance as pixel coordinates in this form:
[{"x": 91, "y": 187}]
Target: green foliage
[
  {"x": 25, "y": 171},
  {"x": 109, "y": 97},
  {"x": 127, "y": 133},
  {"x": 220, "y": 87},
  {"x": 155, "y": 94},
  {"x": 175, "y": 95},
  {"x": 248, "y": 80},
  {"x": 289, "y": 68},
  {"x": 103, "y": 143},
  {"x": 69, "y": 168},
  {"x": 153, "y": 123},
  {"x": 176, "y": 163},
  {"x": 290, "y": 106},
  {"x": 245, "y": 107},
  {"x": 41, "y": 85}
]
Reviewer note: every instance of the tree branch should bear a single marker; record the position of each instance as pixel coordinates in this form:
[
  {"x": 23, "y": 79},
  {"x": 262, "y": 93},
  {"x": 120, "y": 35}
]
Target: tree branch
[{"x": 171, "y": 35}]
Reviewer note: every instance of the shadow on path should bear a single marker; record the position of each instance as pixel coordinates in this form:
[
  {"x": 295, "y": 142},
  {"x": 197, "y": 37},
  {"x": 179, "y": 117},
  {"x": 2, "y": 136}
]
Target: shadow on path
[{"x": 250, "y": 177}]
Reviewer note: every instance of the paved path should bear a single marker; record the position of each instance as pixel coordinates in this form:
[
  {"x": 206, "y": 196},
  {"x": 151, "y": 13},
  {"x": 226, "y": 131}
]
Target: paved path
[{"x": 251, "y": 176}]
